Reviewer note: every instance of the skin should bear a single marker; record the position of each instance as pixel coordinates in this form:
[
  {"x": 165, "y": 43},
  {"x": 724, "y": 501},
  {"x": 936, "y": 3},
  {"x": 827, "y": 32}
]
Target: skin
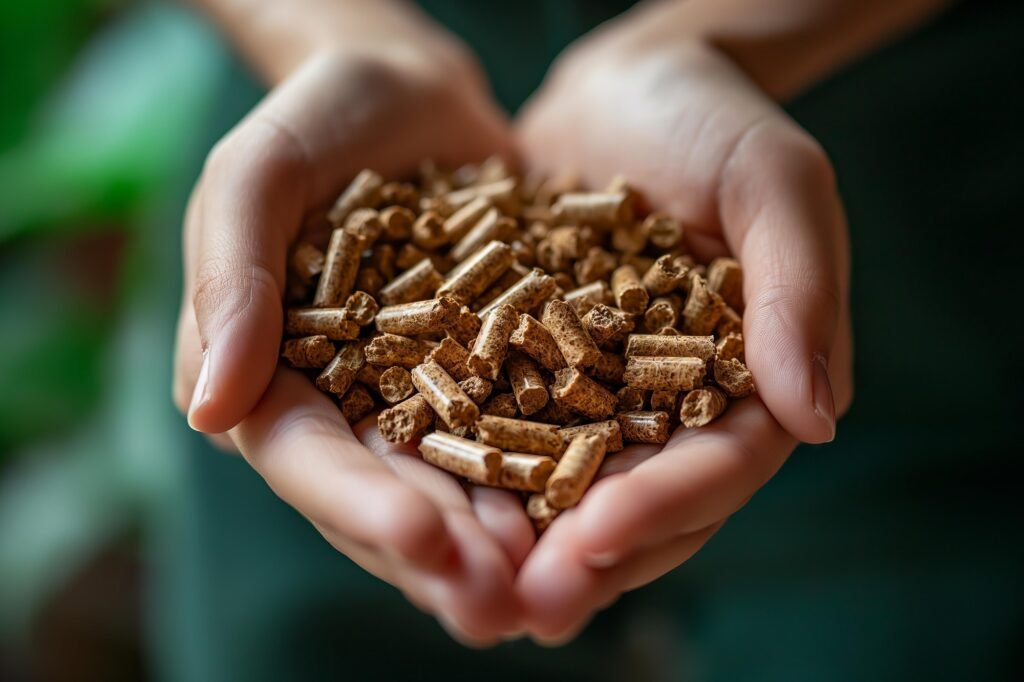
[{"x": 374, "y": 84}]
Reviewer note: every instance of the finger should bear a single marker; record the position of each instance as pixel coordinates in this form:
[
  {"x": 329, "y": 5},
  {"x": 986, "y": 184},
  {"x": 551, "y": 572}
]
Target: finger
[
  {"x": 701, "y": 477},
  {"x": 252, "y": 203},
  {"x": 560, "y": 591},
  {"x": 501, "y": 512},
  {"x": 298, "y": 441},
  {"x": 782, "y": 215}
]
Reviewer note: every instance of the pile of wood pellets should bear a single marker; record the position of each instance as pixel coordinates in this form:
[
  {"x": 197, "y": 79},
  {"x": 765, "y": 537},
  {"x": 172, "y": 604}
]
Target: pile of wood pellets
[{"x": 521, "y": 329}]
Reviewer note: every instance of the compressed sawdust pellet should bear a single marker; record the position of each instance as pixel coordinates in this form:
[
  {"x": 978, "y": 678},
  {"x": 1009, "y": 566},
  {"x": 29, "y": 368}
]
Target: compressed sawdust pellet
[
  {"x": 308, "y": 351},
  {"x": 512, "y": 309}
]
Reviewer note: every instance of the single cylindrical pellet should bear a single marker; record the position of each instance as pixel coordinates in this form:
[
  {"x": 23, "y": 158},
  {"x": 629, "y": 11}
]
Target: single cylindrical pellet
[
  {"x": 331, "y": 322},
  {"x": 644, "y": 427},
  {"x": 609, "y": 430},
  {"x": 407, "y": 419},
  {"x": 477, "y": 388},
  {"x": 528, "y": 384},
  {"x": 576, "y": 344},
  {"x": 502, "y": 194},
  {"x": 593, "y": 208},
  {"x": 534, "y": 339},
  {"x": 725, "y": 278},
  {"x": 466, "y": 327},
  {"x": 630, "y": 294},
  {"x": 730, "y": 346},
  {"x": 403, "y": 194},
  {"x": 733, "y": 377},
  {"x": 361, "y": 308},
  {"x": 477, "y": 462},
  {"x": 606, "y": 324},
  {"x": 428, "y": 230},
  {"x": 356, "y": 403},
  {"x": 420, "y": 317},
  {"x": 540, "y": 512},
  {"x": 365, "y": 223},
  {"x": 392, "y": 349},
  {"x": 340, "y": 372},
  {"x": 662, "y": 312},
  {"x": 595, "y": 265},
  {"x": 306, "y": 262},
  {"x": 520, "y": 435},
  {"x": 524, "y": 295},
  {"x": 522, "y": 471},
  {"x": 469, "y": 279},
  {"x": 308, "y": 352},
  {"x": 496, "y": 290},
  {"x": 341, "y": 264},
  {"x": 454, "y": 357},
  {"x": 662, "y": 230},
  {"x": 492, "y": 226},
  {"x": 665, "y": 276},
  {"x": 702, "y": 347},
  {"x": 491, "y": 345},
  {"x": 586, "y": 297},
  {"x": 703, "y": 308},
  {"x": 415, "y": 284},
  {"x": 575, "y": 471},
  {"x": 629, "y": 399},
  {"x": 664, "y": 373},
  {"x": 459, "y": 223},
  {"x": 582, "y": 394},
  {"x": 369, "y": 376},
  {"x": 362, "y": 192},
  {"x": 702, "y": 406},
  {"x": 396, "y": 384},
  {"x": 397, "y": 221},
  {"x": 444, "y": 395}
]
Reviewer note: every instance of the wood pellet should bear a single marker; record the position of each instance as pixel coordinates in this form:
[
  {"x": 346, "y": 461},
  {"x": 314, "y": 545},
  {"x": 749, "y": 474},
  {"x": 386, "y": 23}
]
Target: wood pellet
[{"x": 520, "y": 332}]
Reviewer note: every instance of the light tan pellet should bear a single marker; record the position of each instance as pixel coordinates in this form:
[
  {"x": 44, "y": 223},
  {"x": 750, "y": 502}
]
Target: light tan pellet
[
  {"x": 702, "y": 406},
  {"x": 664, "y": 373},
  {"x": 362, "y": 192},
  {"x": 361, "y": 308},
  {"x": 525, "y": 295},
  {"x": 453, "y": 356},
  {"x": 596, "y": 265},
  {"x": 492, "y": 226},
  {"x": 576, "y": 344},
  {"x": 500, "y": 405},
  {"x": 662, "y": 230},
  {"x": 730, "y": 346},
  {"x": 593, "y": 208},
  {"x": 356, "y": 403},
  {"x": 331, "y": 322},
  {"x": 703, "y": 308},
  {"x": 609, "y": 430},
  {"x": 575, "y": 471},
  {"x": 365, "y": 223},
  {"x": 630, "y": 294},
  {"x": 520, "y": 435},
  {"x": 581, "y": 394},
  {"x": 466, "y": 327},
  {"x": 644, "y": 426},
  {"x": 406, "y": 420},
  {"x": 662, "y": 312},
  {"x": 733, "y": 377},
  {"x": 391, "y": 349},
  {"x": 609, "y": 368},
  {"x": 586, "y": 297},
  {"x": 488, "y": 353},
  {"x": 308, "y": 352},
  {"x": 477, "y": 388},
  {"x": 428, "y": 230},
  {"x": 534, "y": 339},
  {"x": 472, "y": 276},
  {"x": 502, "y": 194},
  {"x": 444, "y": 395},
  {"x": 395, "y": 384},
  {"x": 340, "y": 372},
  {"x": 540, "y": 512},
  {"x": 306, "y": 262},
  {"x": 415, "y": 284},
  {"x": 459, "y": 223},
  {"x": 725, "y": 278},
  {"x": 419, "y": 317},
  {"x": 702, "y": 347},
  {"x": 605, "y": 324},
  {"x": 341, "y": 263},
  {"x": 527, "y": 382},
  {"x": 664, "y": 277},
  {"x": 523, "y": 471},
  {"x": 479, "y": 463}
]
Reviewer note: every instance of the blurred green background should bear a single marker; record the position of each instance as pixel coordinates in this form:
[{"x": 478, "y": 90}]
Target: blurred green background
[{"x": 894, "y": 553}]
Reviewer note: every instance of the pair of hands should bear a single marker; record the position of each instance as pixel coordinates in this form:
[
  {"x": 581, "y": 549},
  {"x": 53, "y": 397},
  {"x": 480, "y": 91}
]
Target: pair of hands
[{"x": 686, "y": 126}]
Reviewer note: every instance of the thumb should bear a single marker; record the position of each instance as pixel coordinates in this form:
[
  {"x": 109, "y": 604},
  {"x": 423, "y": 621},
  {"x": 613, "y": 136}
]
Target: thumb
[
  {"x": 252, "y": 199},
  {"x": 781, "y": 214}
]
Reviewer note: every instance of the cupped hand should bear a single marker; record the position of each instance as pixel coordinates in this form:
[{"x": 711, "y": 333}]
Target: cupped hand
[
  {"x": 452, "y": 551},
  {"x": 685, "y": 125}
]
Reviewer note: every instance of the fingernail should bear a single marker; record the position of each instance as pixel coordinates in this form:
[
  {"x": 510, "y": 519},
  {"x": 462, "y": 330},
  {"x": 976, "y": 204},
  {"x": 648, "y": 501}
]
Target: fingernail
[
  {"x": 824, "y": 402},
  {"x": 201, "y": 392},
  {"x": 602, "y": 559}
]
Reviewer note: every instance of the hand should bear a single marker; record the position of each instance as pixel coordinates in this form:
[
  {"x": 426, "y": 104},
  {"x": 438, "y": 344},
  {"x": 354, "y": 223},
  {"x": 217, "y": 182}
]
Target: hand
[
  {"x": 453, "y": 553},
  {"x": 685, "y": 124}
]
